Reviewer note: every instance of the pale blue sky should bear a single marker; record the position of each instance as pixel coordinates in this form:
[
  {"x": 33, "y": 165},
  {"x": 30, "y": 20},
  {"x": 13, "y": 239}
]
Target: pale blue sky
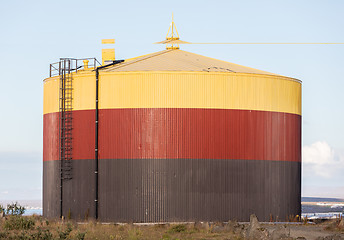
[{"x": 34, "y": 34}]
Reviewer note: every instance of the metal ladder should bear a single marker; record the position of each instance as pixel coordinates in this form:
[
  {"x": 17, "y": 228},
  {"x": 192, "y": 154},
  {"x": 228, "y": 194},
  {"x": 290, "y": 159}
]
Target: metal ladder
[{"x": 66, "y": 117}]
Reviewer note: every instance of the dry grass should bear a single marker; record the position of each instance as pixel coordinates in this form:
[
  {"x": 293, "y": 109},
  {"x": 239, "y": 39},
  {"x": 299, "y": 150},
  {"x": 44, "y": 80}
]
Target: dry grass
[
  {"x": 45, "y": 229},
  {"x": 36, "y": 227}
]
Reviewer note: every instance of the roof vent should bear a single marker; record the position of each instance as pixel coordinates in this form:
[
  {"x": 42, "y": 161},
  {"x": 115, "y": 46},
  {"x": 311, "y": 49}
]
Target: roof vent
[{"x": 108, "y": 54}]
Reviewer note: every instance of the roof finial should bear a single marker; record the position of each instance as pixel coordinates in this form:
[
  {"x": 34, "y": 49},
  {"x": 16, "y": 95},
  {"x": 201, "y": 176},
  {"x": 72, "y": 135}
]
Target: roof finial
[{"x": 172, "y": 37}]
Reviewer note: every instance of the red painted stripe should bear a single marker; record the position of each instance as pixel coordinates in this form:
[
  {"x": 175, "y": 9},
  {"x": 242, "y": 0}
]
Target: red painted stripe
[
  {"x": 83, "y": 135},
  {"x": 181, "y": 133},
  {"x": 199, "y": 134},
  {"x": 50, "y": 136}
]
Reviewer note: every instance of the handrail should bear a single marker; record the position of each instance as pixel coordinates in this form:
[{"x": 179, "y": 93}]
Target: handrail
[{"x": 77, "y": 64}]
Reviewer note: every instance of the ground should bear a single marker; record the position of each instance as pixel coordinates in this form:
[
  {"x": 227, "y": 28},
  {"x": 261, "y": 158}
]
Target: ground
[{"x": 37, "y": 227}]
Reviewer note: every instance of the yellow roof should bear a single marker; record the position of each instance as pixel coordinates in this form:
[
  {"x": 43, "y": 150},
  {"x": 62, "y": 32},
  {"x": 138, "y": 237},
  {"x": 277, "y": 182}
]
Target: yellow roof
[{"x": 179, "y": 60}]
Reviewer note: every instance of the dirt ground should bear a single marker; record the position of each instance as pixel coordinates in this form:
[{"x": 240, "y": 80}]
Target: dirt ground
[{"x": 310, "y": 231}]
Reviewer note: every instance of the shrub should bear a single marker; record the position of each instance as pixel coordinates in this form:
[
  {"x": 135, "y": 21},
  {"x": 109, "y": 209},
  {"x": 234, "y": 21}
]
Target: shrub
[
  {"x": 65, "y": 234},
  {"x": 15, "y": 209},
  {"x": 165, "y": 236},
  {"x": 134, "y": 234},
  {"x": 177, "y": 228},
  {"x": 42, "y": 234},
  {"x": 81, "y": 235},
  {"x": 15, "y": 222},
  {"x": 20, "y": 236},
  {"x": 3, "y": 235}
]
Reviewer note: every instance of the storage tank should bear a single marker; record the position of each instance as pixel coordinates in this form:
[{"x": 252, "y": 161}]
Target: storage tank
[{"x": 171, "y": 136}]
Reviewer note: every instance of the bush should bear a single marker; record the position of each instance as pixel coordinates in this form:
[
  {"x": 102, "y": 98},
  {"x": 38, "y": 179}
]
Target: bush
[
  {"x": 42, "y": 234},
  {"x": 177, "y": 228},
  {"x": 20, "y": 236},
  {"x": 3, "y": 235},
  {"x": 64, "y": 234},
  {"x": 15, "y": 209},
  {"x": 15, "y": 222},
  {"x": 134, "y": 234},
  {"x": 81, "y": 235}
]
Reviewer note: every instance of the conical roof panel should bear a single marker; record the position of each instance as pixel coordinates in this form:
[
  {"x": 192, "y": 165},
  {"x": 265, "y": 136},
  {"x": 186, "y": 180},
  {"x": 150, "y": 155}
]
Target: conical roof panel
[{"x": 179, "y": 60}]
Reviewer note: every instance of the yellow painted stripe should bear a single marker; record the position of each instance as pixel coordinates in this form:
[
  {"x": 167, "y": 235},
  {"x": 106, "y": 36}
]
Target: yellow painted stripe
[
  {"x": 84, "y": 93},
  {"x": 51, "y": 95},
  {"x": 185, "y": 90}
]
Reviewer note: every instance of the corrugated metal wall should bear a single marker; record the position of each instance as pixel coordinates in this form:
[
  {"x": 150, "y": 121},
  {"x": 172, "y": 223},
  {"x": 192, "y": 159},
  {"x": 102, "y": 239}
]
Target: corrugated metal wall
[
  {"x": 164, "y": 190},
  {"x": 179, "y": 147},
  {"x": 199, "y": 134}
]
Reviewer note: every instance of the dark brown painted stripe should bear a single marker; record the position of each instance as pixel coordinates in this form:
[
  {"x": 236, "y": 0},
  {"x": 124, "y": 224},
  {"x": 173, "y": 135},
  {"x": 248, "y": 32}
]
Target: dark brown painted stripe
[
  {"x": 78, "y": 192},
  {"x": 166, "y": 190},
  {"x": 180, "y": 133}
]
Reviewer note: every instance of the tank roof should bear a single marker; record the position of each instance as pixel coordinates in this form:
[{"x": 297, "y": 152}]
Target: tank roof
[{"x": 179, "y": 60}]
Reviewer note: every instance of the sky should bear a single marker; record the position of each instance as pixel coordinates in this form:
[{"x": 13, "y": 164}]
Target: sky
[{"x": 34, "y": 34}]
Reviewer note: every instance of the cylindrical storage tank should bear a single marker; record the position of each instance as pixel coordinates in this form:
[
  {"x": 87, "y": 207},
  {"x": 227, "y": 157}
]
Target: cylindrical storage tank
[{"x": 181, "y": 137}]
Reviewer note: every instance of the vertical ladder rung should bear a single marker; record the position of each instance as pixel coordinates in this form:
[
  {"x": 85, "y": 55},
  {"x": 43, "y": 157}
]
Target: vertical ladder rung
[{"x": 66, "y": 118}]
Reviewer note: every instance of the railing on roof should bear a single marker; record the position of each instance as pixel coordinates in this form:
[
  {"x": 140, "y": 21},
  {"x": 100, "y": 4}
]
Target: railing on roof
[{"x": 76, "y": 64}]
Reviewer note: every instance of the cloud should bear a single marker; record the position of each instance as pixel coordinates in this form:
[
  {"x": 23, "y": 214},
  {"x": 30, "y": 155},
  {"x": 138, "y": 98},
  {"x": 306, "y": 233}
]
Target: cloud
[
  {"x": 322, "y": 171},
  {"x": 321, "y": 160}
]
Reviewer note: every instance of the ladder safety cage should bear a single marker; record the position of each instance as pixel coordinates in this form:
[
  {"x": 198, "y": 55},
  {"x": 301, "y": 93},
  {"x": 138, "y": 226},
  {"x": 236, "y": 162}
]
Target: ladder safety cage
[
  {"x": 65, "y": 69},
  {"x": 66, "y": 117}
]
